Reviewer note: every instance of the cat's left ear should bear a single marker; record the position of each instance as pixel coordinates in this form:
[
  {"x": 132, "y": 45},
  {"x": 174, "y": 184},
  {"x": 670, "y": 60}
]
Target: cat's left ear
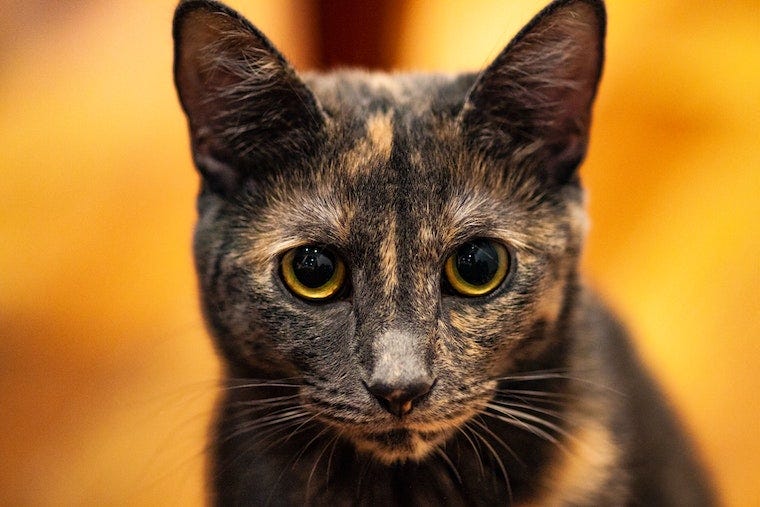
[
  {"x": 532, "y": 105},
  {"x": 247, "y": 109}
]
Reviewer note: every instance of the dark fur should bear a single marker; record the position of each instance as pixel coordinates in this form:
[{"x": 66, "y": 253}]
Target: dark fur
[{"x": 538, "y": 398}]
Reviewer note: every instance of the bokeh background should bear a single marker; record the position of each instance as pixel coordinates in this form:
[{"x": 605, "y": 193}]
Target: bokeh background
[{"x": 106, "y": 375}]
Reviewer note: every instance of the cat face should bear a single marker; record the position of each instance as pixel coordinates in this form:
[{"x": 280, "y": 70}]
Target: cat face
[{"x": 393, "y": 245}]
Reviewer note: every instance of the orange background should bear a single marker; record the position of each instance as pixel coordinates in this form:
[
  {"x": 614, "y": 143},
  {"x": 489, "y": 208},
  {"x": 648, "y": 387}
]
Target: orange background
[{"x": 106, "y": 375}]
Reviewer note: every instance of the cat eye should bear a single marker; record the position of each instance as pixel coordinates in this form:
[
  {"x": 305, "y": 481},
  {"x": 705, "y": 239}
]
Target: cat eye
[
  {"x": 313, "y": 272},
  {"x": 477, "y": 267}
]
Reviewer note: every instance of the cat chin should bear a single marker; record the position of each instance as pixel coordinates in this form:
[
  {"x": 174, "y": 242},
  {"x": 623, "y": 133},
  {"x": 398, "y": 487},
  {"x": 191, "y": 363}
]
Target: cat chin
[
  {"x": 404, "y": 442},
  {"x": 400, "y": 445}
]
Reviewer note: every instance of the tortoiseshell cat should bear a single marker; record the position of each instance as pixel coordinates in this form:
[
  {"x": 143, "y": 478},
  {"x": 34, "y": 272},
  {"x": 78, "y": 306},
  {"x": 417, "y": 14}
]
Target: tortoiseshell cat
[{"x": 388, "y": 265}]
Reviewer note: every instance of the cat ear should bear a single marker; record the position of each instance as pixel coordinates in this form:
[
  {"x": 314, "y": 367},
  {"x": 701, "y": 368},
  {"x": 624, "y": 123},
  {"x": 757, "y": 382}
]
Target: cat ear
[
  {"x": 532, "y": 105},
  {"x": 247, "y": 109}
]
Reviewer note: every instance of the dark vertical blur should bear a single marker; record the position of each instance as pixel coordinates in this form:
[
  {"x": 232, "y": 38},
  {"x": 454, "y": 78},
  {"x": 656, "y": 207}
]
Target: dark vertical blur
[{"x": 357, "y": 33}]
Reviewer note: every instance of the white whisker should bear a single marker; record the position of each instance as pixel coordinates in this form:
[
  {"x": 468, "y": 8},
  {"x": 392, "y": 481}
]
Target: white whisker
[
  {"x": 464, "y": 429},
  {"x": 499, "y": 462},
  {"x": 511, "y": 404},
  {"x": 501, "y": 441}
]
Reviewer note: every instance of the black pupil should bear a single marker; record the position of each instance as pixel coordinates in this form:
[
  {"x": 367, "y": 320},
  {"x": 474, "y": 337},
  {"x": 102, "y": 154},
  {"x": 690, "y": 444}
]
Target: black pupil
[
  {"x": 477, "y": 262},
  {"x": 313, "y": 266}
]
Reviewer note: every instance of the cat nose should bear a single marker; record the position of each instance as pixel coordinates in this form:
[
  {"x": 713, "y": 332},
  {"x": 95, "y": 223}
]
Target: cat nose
[{"x": 400, "y": 399}]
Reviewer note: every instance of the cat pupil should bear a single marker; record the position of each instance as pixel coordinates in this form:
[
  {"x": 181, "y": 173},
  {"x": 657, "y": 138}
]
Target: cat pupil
[
  {"x": 313, "y": 266},
  {"x": 477, "y": 262}
]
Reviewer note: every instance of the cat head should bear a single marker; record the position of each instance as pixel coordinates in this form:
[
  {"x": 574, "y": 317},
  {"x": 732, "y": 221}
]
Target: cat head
[{"x": 396, "y": 243}]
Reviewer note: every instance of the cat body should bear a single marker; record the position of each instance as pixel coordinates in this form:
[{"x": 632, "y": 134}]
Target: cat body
[{"x": 388, "y": 265}]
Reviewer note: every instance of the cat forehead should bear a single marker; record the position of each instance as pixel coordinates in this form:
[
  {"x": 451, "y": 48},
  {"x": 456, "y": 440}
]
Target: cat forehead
[
  {"x": 362, "y": 201},
  {"x": 373, "y": 117},
  {"x": 394, "y": 164},
  {"x": 352, "y": 93},
  {"x": 394, "y": 150}
]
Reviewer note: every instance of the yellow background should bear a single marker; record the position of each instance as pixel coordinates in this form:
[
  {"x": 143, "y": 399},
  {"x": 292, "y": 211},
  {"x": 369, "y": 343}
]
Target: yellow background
[{"x": 106, "y": 375}]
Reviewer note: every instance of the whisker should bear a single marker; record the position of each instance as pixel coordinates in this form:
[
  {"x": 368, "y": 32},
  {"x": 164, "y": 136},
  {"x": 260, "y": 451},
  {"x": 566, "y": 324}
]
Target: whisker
[
  {"x": 440, "y": 452},
  {"x": 531, "y": 428},
  {"x": 532, "y": 400},
  {"x": 308, "y": 444},
  {"x": 554, "y": 374},
  {"x": 258, "y": 438},
  {"x": 256, "y": 385},
  {"x": 499, "y": 462},
  {"x": 501, "y": 441},
  {"x": 264, "y": 401},
  {"x": 301, "y": 427},
  {"x": 536, "y": 394},
  {"x": 527, "y": 406},
  {"x": 332, "y": 451},
  {"x": 529, "y": 417},
  {"x": 319, "y": 458},
  {"x": 362, "y": 474},
  {"x": 275, "y": 414},
  {"x": 298, "y": 423},
  {"x": 474, "y": 448},
  {"x": 266, "y": 410},
  {"x": 252, "y": 447},
  {"x": 293, "y": 416},
  {"x": 294, "y": 461},
  {"x": 514, "y": 418}
]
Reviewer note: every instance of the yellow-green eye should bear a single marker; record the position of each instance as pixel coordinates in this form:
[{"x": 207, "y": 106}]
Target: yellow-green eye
[
  {"x": 313, "y": 272},
  {"x": 477, "y": 267}
]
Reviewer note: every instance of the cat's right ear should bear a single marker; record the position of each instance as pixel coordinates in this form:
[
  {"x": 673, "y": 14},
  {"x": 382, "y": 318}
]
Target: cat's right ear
[{"x": 247, "y": 109}]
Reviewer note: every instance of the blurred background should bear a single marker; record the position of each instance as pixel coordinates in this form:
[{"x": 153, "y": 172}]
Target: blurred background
[{"x": 106, "y": 375}]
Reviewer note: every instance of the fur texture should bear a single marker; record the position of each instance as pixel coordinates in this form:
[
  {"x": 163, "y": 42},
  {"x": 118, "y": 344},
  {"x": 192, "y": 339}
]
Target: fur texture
[{"x": 535, "y": 397}]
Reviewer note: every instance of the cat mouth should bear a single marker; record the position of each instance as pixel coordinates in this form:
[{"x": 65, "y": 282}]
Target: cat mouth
[{"x": 400, "y": 440}]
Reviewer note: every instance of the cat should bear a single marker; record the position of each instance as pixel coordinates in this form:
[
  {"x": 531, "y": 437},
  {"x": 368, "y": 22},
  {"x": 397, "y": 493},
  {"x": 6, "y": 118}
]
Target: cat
[{"x": 388, "y": 266}]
